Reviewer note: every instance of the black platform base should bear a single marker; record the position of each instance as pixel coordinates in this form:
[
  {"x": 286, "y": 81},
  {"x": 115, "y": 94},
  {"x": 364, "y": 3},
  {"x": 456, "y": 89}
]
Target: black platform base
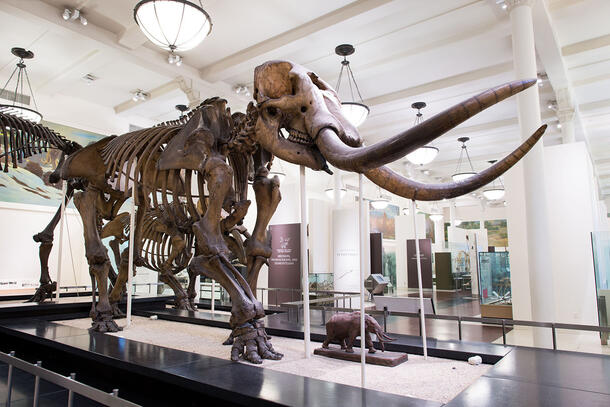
[{"x": 280, "y": 325}]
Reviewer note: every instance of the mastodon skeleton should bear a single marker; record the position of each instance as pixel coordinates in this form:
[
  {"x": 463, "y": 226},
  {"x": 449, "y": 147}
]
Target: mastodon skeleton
[{"x": 218, "y": 152}]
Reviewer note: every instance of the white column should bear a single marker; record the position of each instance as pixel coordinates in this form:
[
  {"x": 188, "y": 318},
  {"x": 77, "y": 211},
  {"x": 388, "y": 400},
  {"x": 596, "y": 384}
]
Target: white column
[
  {"x": 361, "y": 229},
  {"x": 305, "y": 265},
  {"x": 538, "y": 251},
  {"x": 64, "y": 186},
  {"x": 132, "y": 230},
  {"x": 439, "y": 235},
  {"x": 452, "y": 214},
  {"x": 337, "y": 190},
  {"x": 419, "y": 284}
]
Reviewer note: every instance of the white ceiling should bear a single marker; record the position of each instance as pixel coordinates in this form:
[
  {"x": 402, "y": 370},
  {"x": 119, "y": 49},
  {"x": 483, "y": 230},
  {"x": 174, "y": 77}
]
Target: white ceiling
[{"x": 440, "y": 52}]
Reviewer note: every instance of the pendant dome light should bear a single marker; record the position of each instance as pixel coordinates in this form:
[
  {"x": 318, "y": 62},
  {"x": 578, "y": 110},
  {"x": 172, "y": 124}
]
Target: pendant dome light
[
  {"x": 355, "y": 112},
  {"x": 20, "y": 100},
  {"x": 459, "y": 174},
  {"x": 380, "y": 202},
  {"x": 425, "y": 154},
  {"x": 494, "y": 191},
  {"x": 174, "y": 25}
]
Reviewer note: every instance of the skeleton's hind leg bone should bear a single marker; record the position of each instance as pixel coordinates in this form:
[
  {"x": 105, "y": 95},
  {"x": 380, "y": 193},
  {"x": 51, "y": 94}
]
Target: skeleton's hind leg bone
[{"x": 96, "y": 257}]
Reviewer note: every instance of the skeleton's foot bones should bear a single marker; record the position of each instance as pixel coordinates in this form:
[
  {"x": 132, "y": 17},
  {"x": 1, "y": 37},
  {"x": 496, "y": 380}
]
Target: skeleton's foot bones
[
  {"x": 250, "y": 341},
  {"x": 43, "y": 292},
  {"x": 116, "y": 311},
  {"x": 103, "y": 322}
]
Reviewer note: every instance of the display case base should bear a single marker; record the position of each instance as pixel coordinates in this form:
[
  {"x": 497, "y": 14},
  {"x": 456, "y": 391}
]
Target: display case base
[{"x": 387, "y": 358}]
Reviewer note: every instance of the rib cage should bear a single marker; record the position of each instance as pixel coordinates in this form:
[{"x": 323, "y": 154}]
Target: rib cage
[{"x": 22, "y": 139}]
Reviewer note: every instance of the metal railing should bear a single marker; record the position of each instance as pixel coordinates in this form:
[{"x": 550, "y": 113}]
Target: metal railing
[
  {"x": 504, "y": 323},
  {"x": 297, "y": 293},
  {"x": 69, "y": 383},
  {"x": 87, "y": 288}
]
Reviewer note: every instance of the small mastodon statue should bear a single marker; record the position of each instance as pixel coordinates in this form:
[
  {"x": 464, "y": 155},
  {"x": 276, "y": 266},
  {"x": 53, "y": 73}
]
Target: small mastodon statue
[{"x": 345, "y": 327}]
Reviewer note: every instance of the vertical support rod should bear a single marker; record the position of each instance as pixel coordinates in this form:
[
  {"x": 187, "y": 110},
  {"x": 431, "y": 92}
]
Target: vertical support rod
[
  {"x": 62, "y": 218},
  {"x": 9, "y": 381},
  {"x": 419, "y": 283},
  {"x": 554, "y": 332},
  {"x": 385, "y": 319},
  {"x": 37, "y": 387},
  {"x": 305, "y": 264},
  {"x": 503, "y": 332},
  {"x": 132, "y": 232},
  {"x": 70, "y": 392},
  {"x": 361, "y": 286},
  {"x": 460, "y": 328},
  {"x": 212, "y": 303}
]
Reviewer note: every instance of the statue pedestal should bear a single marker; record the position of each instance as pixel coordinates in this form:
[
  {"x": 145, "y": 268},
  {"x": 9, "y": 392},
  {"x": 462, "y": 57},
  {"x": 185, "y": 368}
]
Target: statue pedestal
[{"x": 386, "y": 358}]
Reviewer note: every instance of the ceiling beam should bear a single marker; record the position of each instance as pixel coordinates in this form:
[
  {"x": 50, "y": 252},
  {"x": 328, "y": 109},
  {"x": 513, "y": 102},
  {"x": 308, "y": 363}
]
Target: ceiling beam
[
  {"x": 441, "y": 83},
  {"x": 586, "y": 45},
  {"x": 237, "y": 62}
]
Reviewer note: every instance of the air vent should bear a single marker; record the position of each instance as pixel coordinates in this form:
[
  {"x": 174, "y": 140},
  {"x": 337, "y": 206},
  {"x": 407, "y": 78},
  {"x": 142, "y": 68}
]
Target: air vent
[{"x": 88, "y": 78}]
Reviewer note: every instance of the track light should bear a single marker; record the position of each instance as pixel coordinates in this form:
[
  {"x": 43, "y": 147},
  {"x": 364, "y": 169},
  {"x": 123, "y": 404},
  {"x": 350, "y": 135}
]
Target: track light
[
  {"x": 173, "y": 58},
  {"x": 74, "y": 15},
  {"x": 139, "y": 95}
]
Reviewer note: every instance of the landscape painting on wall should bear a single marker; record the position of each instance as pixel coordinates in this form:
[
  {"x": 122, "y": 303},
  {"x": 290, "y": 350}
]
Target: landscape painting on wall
[
  {"x": 497, "y": 232},
  {"x": 29, "y": 183},
  {"x": 382, "y": 221}
]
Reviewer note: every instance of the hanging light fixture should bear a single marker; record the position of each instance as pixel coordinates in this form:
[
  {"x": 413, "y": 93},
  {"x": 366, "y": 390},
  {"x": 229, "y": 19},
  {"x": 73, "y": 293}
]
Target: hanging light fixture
[
  {"x": 174, "y": 25},
  {"x": 459, "y": 174},
  {"x": 355, "y": 112},
  {"x": 380, "y": 202},
  {"x": 435, "y": 214},
  {"x": 17, "y": 96},
  {"x": 330, "y": 191},
  {"x": 425, "y": 154},
  {"x": 494, "y": 192}
]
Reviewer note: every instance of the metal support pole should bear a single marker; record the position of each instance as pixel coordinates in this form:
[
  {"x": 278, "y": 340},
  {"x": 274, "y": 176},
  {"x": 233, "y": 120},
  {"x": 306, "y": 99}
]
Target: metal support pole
[
  {"x": 419, "y": 315},
  {"x": 362, "y": 265},
  {"x": 419, "y": 283},
  {"x": 305, "y": 265},
  {"x": 554, "y": 332},
  {"x": 460, "y": 328},
  {"x": 132, "y": 232},
  {"x": 385, "y": 319},
  {"x": 37, "y": 386},
  {"x": 70, "y": 392},
  {"x": 212, "y": 303},
  {"x": 503, "y": 332},
  {"x": 64, "y": 187},
  {"x": 9, "y": 381}
]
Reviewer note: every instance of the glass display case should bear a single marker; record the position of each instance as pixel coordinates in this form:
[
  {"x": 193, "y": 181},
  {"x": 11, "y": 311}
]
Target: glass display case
[
  {"x": 494, "y": 285},
  {"x": 600, "y": 241}
]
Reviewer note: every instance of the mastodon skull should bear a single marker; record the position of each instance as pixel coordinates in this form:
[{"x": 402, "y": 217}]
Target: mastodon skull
[{"x": 300, "y": 121}]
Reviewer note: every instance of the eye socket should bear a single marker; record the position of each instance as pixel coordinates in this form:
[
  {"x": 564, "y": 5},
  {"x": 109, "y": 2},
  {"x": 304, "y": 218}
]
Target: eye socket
[
  {"x": 272, "y": 111},
  {"x": 303, "y": 109}
]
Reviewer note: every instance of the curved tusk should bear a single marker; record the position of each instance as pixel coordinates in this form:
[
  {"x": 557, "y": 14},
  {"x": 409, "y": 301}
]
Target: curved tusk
[
  {"x": 361, "y": 159},
  {"x": 401, "y": 186}
]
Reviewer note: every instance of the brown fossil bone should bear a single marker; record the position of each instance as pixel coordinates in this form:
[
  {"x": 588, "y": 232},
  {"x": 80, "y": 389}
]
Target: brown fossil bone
[{"x": 294, "y": 99}]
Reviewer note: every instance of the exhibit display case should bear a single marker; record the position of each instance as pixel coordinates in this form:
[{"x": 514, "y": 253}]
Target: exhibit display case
[
  {"x": 600, "y": 242},
  {"x": 494, "y": 283}
]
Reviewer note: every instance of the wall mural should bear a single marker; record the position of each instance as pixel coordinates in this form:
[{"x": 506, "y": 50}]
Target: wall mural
[
  {"x": 497, "y": 232},
  {"x": 29, "y": 183},
  {"x": 383, "y": 220}
]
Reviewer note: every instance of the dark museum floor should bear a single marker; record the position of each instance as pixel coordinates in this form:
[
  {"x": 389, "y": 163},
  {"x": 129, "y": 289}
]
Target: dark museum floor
[{"x": 520, "y": 377}]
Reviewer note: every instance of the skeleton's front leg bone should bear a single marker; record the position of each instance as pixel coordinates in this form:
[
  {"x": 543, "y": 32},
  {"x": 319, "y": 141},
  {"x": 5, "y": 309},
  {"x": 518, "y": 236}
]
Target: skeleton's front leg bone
[
  {"x": 258, "y": 249},
  {"x": 97, "y": 258}
]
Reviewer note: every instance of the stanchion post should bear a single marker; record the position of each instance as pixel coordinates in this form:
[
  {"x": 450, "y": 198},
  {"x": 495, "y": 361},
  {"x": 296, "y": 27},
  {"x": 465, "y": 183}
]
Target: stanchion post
[
  {"x": 64, "y": 187},
  {"x": 212, "y": 303},
  {"x": 419, "y": 283},
  {"x": 362, "y": 265},
  {"x": 305, "y": 264},
  {"x": 132, "y": 232}
]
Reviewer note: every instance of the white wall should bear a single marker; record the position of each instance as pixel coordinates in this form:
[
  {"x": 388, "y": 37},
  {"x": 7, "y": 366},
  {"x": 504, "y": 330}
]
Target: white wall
[
  {"x": 19, "y": 222},
  {"x": 573, "y": 216}
]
